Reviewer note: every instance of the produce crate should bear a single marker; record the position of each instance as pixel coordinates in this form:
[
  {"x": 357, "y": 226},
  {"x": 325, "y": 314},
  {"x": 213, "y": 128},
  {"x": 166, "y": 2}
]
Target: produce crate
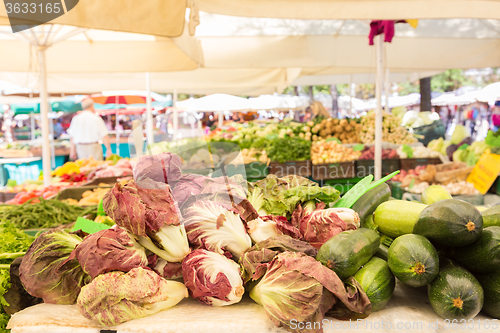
[
  {"x": 299, "y": 168},
  {"x": 367, "y": 167},
  {"x": 342, "y": 185},
  {"x": 74, "y": 192},
  {"x": 102, "y": 180},
  {"x": 334, "y": 170},
  {"x": 412, "y": 163},
  {"x": 254, "y": 170},
  {"x": 400, "y": 193},
  {"x": 6, "y": 196}
]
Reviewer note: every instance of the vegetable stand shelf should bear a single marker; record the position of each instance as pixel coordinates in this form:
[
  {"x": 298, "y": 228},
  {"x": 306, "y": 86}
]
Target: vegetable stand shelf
[
  {"x": 334, "y": 170},
  {"x": 367, "y": 167},
  {"x": 408, "y": 311},
  {"x": 300, "y": 168},
  {"x": 411, "y": 163}
]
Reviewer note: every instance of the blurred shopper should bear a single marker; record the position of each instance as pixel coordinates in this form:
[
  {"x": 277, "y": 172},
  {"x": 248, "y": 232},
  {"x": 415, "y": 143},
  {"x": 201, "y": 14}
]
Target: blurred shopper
[
  {"x": 58, "y": 128},
  {"x": 86, "y": 130},
  {"x": 495, "y": 116}
]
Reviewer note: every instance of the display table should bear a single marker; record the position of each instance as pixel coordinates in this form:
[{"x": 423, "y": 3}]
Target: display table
[
  {"x": 17, "y": 161},
  {"x": 408, "y": 311}
]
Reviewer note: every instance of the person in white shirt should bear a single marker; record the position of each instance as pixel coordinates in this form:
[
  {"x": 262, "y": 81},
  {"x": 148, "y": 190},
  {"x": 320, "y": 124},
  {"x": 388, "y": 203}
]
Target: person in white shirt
[{"x": 85, "y": 131}]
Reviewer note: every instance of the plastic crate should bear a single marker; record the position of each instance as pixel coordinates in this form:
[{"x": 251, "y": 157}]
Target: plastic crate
[
  {"x": 103, "y": 180},
  {"x": 334, "y": 170},
  {"x": 299, "y": 168},
  {"x": 412, "y": 163},
  {"x": 367, "y": 167},
  {"x": 6, "y": 196}
]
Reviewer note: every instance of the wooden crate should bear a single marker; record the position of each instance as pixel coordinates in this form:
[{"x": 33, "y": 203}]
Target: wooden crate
[
  {"x": 367, "y": 167},
  {"x": 299, "y": 168},
  {"x": 334, "y": 170},
  {"x": 412, "y": 163}
]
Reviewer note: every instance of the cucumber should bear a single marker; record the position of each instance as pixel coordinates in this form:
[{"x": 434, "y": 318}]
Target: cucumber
[
  {"x": 491, "y": 217},
  {"x": 456, "y": 294},
  {"x": 482, "y": 256},
  {"x": 377, "y": 281},
  {"x": 346, "y": 252},
  {"x": 397, "y": 217},
  {"x": 366, "y": 205},
  {"x": 491, "y": 286},
  {"x": 413, "y": 260},
  {"x": 450, "y": 222},
  {"x": 434, "y": 193}
]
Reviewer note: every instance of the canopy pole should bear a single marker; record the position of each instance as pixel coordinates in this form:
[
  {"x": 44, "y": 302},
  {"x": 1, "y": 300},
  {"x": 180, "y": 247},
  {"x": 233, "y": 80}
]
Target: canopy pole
[
  {"x": 378, "y": 114},
  {"x": 387, "y": 87},
  {"x": 44, "y": 103},
  {"x": 350, "y": 95},
  {"x": 149, "y": 113},
  {"x": 221, "y": 120},
  {"x": 175, "y": 121}
]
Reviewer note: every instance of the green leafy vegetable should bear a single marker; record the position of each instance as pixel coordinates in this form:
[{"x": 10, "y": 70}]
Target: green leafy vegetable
[
  {"x": 289, "y": 149},
  {"x": 281, "y": 195},
  {"x": 493, "y": 138},
  {"x": 44, "y": 214}
]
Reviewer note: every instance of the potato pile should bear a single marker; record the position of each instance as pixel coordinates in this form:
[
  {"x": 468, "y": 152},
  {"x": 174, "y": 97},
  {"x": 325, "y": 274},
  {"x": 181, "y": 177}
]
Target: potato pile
[
  {"x": 344, "y": 130},
  {"x": 332, "y": 152},
  {"x": 392, "y": 131},
  {"x": 90, "y": 197}
]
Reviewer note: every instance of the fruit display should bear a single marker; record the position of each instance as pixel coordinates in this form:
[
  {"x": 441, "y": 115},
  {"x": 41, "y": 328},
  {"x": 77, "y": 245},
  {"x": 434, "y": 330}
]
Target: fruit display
[
  {"x": 368, "y": 153},
  {"x": 324, "y": 151},
  {"x": 392, "y": 131},
  {"x": 450, "y": 175}
]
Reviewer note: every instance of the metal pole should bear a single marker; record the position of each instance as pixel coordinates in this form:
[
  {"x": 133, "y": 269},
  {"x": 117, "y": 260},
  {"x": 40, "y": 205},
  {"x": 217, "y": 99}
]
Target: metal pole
[
  {"x": 387, "y": 87},
  {"x": 51, "y": 132},
  {"x": 175, "y": 120},
  {"x": 378, "y": 114},
  {"x": 149, "y": 113},
  {"x": 44, "y": 117},
  {"x": 221, "y": 119}
]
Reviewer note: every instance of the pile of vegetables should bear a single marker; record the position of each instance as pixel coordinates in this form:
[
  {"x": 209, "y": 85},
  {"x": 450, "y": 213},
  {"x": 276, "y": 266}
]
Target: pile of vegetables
[
  {"x": 463, "y": 277},
  {"x": 324, "y": 151},
  {"x": 44, "y": 214},
  {"x": 298, "y": 249},
  {"x": 368, "y": 153},
  {"x": 222, "y": 236},
  {"x": 344, "y": 130},
  {"x": 392, "y": 131},
  {"x": 33, "y": 195},
  {"x": 89, "y": 197},
  {"x": 13, "y": 244}
]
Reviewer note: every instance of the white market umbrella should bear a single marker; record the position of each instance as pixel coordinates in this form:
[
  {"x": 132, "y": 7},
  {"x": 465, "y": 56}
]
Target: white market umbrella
[
  {"x": 490, "y": 93},
  {"x": 215, "y": 102},
  {"x": 64, "y": 48},
  {"x": 279, "y": 102},
  {"x": 354, "y": 9}
]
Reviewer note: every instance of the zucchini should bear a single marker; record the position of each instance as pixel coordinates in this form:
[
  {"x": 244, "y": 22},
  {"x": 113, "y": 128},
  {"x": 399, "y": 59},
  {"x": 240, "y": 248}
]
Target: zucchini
[
  {"x": 366, "y": 205},
  {"x": 491, "y": 286},
  {"x": 377, "y": 281},
  {"x": 346, "y": 252},
  {"x": 382, "y": 252},
  {"x": 397, "y": 217},
  {"x": 456, "y": 294},
  {"x": 434, "y": 193},
  {"x": 413, "y": 260},
  {"x": 368, "y": 223},
  {"x": 450, "y": 222},
  {"x": 491, "y": 217},
  {"x": 482, "y": 256}
]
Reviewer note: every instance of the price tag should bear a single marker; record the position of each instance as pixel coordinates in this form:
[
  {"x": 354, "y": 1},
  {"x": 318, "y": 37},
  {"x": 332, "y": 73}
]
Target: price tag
[{"x": 485, "y": 172}]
